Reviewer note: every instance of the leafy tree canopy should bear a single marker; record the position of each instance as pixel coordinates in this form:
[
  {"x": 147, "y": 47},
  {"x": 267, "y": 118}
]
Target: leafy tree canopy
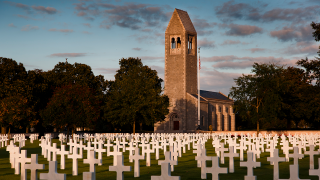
[
  {"x": 134, "y": 96},
  {"x": 64, "y": 73},
  {"x": 257, "y": 94},
  {"x": 72, "y": 106},
  {"x": 12, "y": 78},
  {"x": 15, "y": 112}
]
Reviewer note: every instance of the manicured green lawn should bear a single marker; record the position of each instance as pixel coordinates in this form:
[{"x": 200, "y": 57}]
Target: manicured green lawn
[{"x": 187, "y": 166}]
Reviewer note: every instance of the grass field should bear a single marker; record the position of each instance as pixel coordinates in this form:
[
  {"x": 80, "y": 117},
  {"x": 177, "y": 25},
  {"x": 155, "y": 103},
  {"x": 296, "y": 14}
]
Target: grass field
[{"x": 187, "y": 166}]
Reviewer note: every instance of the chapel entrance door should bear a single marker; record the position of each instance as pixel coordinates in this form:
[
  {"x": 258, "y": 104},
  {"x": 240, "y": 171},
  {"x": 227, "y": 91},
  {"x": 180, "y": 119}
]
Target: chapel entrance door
[{"x": 175, "y": 125}]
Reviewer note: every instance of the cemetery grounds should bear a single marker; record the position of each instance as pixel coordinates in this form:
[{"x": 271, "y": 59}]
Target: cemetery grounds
[{"x": 187, "y": 165}]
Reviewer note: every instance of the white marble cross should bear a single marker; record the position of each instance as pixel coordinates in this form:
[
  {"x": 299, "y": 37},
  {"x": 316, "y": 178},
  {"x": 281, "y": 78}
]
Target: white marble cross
[
  {"x": 215, "y": 170},
  {"x": 294, "y": 172},
  {"x": 123, "y": 143},
  {"x": 81, "y": 147},
  {"x": 296, "y": 155},
  {"x": 95, "y": 143},
  {"x": 12, "y": 151},
  {"x": 271, "y": 148},
  {"x": 202, "y": 157},
  {"x": 301, "y": 146},
  {"x": 52, "y": 149},
  {"x": 115, "y": 153},
  {"x": 231, "y": 155},
  {"x": 315, "y": 172},
  {"x": 62, "y": 154},
  {"x": 222, "y": 149},
  {"x": 157, "y": 147},
  {"x": 108, "y": 145},
  {"x": 136, "y": 157},
  {"x": 88, "y": 148},
  {"x": 34, "y": 166},
  {"x": 275, "y": 162},
  {"x": 52, "y": 174},
  {"x": 241, "y": 148},
  {"x": 92, "y": 161},
  {"x": 198, "y": 151},
  {"x": 168, "y": 159},
  {"x": 75, "y": 156},
  {"x": 285, "y": 148},
  {"x": 88, "y": 176},
  {"x": 119, "y": 168},
  {"x": 174, "y": 156},
  {"x": 21, "y": 159},
  {"x": 147, "y": 151},
  {"x": 71, "y": 144},
  {"x": 100, "y": 150},
  {"x": 250, "y": 164},
  {"x": 165, "y": 172},
  {"x": 311, "y": 154}
]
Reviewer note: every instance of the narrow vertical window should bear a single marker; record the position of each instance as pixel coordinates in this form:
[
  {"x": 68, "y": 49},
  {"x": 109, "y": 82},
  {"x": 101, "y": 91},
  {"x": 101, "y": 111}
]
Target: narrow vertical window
[
  {"x": 173, "y": 43},
  {"x": 190, "y": 42},
  {"x": 178, "y": 42}
]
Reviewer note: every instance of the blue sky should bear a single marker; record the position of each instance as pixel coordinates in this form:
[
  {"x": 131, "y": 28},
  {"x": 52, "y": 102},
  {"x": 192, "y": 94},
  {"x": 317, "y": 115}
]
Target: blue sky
[{"x": 232, "y": 34}]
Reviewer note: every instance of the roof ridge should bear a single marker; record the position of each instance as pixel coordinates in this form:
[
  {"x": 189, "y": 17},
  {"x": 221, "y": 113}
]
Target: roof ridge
[
  {"x": 185, "y": 20},
  {"x": 224, "y": 95}
]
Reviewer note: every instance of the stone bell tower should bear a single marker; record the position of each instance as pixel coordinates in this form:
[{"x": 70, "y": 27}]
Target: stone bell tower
[{"x": 180, "y": 72}]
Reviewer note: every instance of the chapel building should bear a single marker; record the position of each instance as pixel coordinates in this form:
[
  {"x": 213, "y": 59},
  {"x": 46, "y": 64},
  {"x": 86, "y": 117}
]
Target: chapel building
[{"x": 181, "y": 84}]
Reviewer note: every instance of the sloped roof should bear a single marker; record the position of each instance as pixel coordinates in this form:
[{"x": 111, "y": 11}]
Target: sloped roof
[
  {"x": 196, "y": 96},
  {"x": 213, "y": 95},
  {"x": 186, "y": 21}
]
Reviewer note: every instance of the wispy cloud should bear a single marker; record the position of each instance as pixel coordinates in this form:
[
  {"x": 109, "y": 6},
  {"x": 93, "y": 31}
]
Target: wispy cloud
[
  {"x": 205, "y": 43},
  {"x": 29, "y": 27},
  {"x": 19, "y": 5},
  {"x": 61, "y": 30},
  {"x": 86, "y": 32},
  {"x": 12, "y": 25},
  {"x": 232, "y": 42},
  {"x": 87, "y": 24},
  {"x": 32, "y": 9},
  {"x": 68, "y": 55},
  {"x": 217, "y": 81},
  {"x": 231, "y": 11},
  {"x": 203, "y": 27},
  {"x": 130, "y": 15},
  {"x": 241, "y": 30},
  {"x": 136, "y": 49},
  {"x": 302, "y": 48},
  {"x": 235, "y": 62},
  {"x": 253, "y": 50},
  {"x": 297, "y": 33},
  {"x": 45, "y": 10}
]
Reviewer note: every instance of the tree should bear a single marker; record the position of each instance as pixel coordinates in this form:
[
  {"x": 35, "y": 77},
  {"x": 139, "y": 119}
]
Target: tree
[
  {"x": 257, "y": 94},
  {"x": 15, "y": 112},
  {"x": 135, "y": 95},
  {"x": 64, "y": 74},
  {"x": 12, "y": 81},
  {"x": 72, "y": 106},
  {"x": 295, "y": 89},
  {"x": 312, "y": 68}
]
